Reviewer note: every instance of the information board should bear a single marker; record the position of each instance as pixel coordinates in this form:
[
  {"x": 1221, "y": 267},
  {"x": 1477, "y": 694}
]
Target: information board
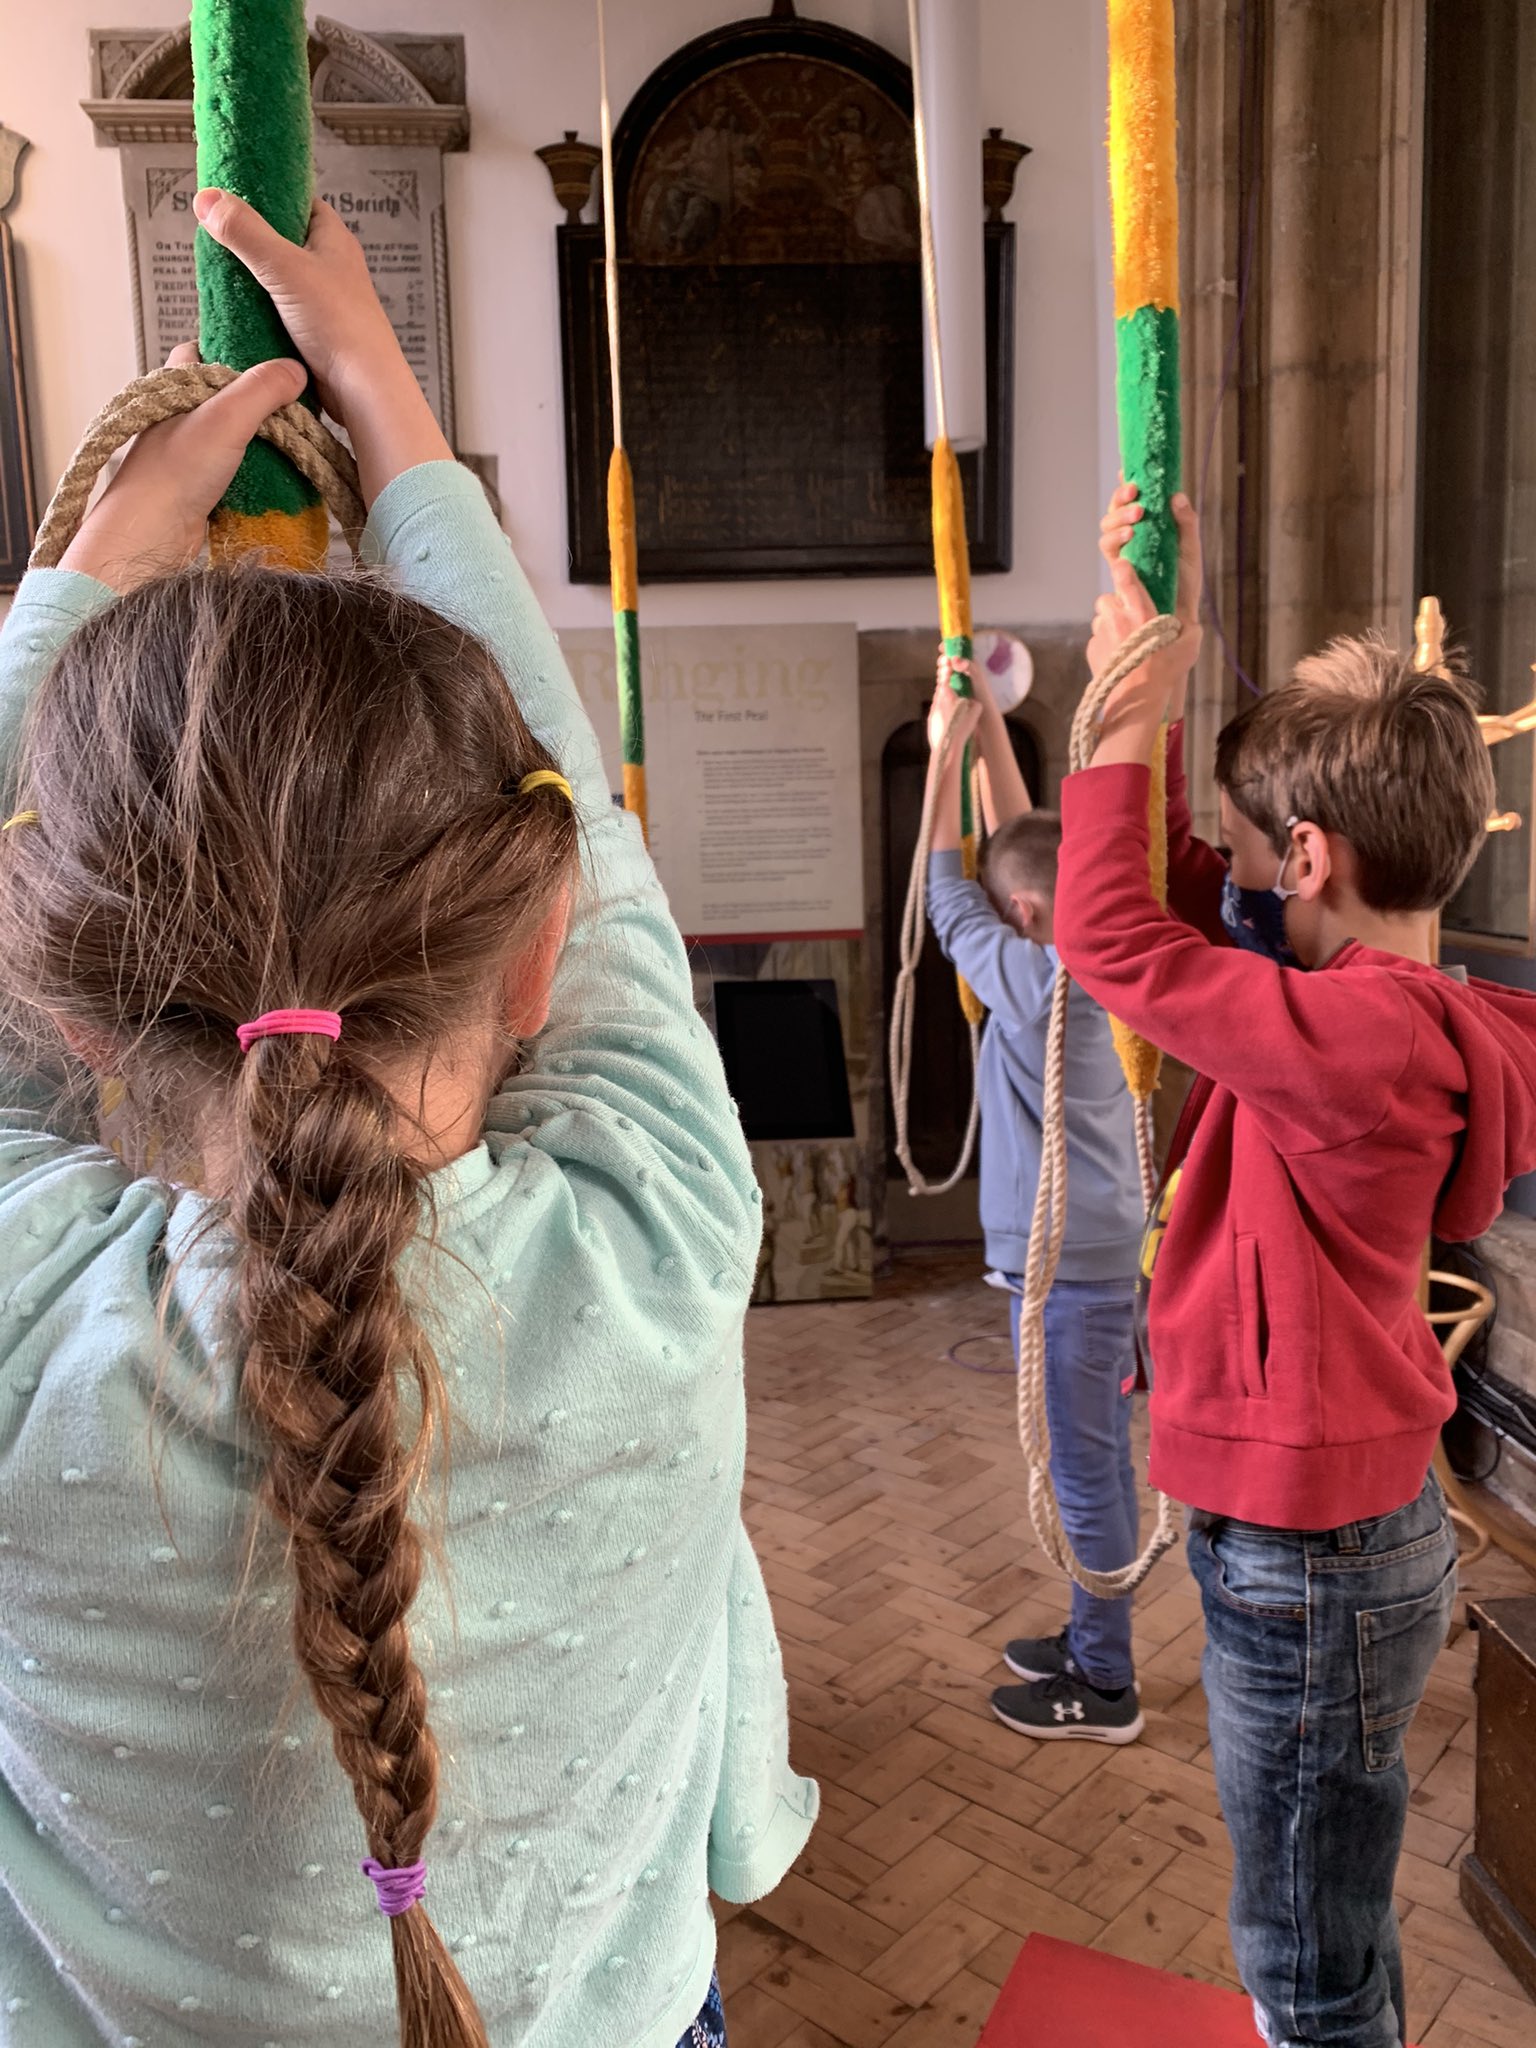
[{"x": 752, "y": 766}]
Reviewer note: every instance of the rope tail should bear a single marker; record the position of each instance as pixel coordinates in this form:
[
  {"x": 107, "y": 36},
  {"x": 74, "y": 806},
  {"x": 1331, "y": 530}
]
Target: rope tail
[
  {"x": 910, "y": 936},
  {"x": 1048, "y": 1224}
]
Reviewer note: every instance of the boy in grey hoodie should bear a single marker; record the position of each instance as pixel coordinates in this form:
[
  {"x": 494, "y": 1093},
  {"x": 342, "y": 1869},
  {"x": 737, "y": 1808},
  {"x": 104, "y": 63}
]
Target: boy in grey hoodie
[{"x": 998, "y": 933}]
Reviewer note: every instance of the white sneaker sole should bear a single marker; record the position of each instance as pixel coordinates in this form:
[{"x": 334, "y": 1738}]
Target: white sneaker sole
[{"x": 1073, "y": 1731}]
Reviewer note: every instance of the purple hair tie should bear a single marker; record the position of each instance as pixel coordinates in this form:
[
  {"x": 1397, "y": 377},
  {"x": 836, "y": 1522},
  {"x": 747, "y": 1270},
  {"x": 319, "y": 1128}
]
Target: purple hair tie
[{"x": 398, "y": 1890}]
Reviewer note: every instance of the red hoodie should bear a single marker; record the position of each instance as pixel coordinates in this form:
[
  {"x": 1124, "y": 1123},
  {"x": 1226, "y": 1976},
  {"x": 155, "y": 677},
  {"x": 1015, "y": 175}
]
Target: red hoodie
[{"x": 1351, "y": 1111}]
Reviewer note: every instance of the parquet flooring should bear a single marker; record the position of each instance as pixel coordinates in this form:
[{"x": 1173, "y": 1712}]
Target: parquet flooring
[{"x": 883, "y": 1492}]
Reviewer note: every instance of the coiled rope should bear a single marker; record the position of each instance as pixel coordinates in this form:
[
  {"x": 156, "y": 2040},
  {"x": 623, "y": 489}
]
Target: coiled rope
[
  {"x": 1048, "y": 1224},
  {"x": 164, "y": 395},
  {"x": 911, "y": 933}
]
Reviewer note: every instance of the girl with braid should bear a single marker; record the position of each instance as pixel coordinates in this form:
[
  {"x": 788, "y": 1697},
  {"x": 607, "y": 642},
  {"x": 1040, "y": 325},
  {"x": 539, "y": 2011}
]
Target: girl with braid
[{"x": 393, "y": 1418}]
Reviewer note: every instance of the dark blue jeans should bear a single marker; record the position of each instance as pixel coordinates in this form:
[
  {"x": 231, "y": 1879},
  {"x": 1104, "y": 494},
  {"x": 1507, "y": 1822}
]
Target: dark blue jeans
[
  {"x": 1318, "y": 1647},
  {"x": 1090, "y": 1353}
]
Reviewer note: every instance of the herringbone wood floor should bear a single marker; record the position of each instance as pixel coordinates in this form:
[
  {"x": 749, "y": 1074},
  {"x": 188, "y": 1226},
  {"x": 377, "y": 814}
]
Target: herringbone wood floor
[{"x": 883, "y": 1494}]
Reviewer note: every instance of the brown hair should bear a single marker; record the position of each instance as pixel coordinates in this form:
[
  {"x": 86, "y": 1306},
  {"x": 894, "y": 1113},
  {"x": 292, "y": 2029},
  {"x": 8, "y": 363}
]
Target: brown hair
[
  {"x": 1023, "y": 854},
  {"x": 1364, "y": 745},
  {"x": 262, "y": 790}
]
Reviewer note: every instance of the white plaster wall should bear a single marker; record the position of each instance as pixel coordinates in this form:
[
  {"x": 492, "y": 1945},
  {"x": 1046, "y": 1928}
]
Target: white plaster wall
[{"x": 533, "y": 73}]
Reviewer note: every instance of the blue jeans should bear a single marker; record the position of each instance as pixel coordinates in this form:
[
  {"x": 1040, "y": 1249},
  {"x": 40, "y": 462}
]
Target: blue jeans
[
  {"x": 1318, "y": 1647},
  {"x": 1089, "y": 1355}
]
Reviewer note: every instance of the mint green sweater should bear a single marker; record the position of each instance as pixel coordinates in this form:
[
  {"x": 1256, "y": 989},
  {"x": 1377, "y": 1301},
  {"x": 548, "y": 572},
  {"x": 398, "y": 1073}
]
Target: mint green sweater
[{"x": 178, "y": 1848}]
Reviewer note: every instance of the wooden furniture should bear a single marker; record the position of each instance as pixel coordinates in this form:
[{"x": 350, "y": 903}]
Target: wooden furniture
[
  {"x": 18, "y": 504},
  {"x": 765, "y": 211},
  {"x": 1498, "y": 1878}
]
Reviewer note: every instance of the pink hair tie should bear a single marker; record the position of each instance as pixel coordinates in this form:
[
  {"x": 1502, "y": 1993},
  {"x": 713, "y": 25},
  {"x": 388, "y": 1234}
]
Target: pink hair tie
[
  {"x": 283, "y": 1023},
  {"x": 397, "y": 1890}
]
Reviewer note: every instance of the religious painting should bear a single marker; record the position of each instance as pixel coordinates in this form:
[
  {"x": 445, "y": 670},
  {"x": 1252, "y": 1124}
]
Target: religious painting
[
  {"x": 771, "y": 341},
  {"x": 770, "y": 161}
]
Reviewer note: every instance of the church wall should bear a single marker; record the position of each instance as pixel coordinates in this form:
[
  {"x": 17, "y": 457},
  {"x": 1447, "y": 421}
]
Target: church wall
[{"x": 532, "y": 74}]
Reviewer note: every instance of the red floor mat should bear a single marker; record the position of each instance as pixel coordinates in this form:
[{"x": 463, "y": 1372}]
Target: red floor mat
[{"x": 1059, "y": 1994}]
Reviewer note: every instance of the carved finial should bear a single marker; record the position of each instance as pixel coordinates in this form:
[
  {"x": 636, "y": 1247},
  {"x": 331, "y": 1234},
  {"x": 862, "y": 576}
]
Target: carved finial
[
  {"x": 1429, "y": 636},
  {"x": 1000, "y": 160},
  {"x": 11, "y": 147},
  {"x": 571, "y": 165}
]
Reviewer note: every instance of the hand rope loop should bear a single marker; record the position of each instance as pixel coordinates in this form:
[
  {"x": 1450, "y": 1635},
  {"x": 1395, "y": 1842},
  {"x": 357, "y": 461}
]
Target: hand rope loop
[{"x": 164, "y": 394}]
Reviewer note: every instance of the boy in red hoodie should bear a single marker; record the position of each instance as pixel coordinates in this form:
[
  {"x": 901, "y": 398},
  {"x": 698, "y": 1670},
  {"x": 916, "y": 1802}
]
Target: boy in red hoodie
[{"x": 1354, "y": 1099}]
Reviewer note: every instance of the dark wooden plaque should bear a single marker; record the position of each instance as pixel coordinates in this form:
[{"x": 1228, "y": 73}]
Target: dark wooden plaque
[
  {"x": 771, "y": 316},
  {"x": 18, "y": 509}
]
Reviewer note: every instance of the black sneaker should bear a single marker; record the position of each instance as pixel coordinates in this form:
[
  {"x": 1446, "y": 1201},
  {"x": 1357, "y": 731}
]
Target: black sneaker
[
  {"x": 1067, "y": 1708},
  {"x": 1038, "y": 1656}
]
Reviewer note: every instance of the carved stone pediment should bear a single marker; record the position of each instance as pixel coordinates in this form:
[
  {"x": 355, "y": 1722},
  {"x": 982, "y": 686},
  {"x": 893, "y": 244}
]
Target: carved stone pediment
[{"x": 391, "y": 91}]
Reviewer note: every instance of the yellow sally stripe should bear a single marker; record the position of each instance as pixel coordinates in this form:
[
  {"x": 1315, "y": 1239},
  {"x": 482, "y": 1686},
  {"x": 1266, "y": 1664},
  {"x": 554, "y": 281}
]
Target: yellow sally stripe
[
  {"x": 622, "y": 561},
  {"x": 1143, "y": 155},
  {"x": 635, "y": 796},
  {"x": 285, "y": 540},
  {"x": 951, "y": 553}
]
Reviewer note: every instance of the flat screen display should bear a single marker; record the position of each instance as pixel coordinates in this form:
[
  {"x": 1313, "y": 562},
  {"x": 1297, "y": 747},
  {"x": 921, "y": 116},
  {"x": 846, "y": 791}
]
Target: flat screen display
[{"x": 782, "y": 1045}]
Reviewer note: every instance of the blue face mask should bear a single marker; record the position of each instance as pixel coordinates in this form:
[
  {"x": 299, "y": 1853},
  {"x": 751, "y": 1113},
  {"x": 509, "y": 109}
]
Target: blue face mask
[{"x": 1256, "y": 917}]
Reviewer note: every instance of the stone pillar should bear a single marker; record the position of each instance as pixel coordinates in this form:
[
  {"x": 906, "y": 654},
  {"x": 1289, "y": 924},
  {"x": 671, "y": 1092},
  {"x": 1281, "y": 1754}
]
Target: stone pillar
[
  {"x": 1214, "y": 201},
  {"x": 1301, "y": 158}
]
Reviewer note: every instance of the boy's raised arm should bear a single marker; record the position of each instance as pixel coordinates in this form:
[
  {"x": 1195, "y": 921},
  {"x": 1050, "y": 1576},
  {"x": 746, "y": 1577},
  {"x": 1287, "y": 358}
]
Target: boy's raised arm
[
  {"x": 1290, "y": 1044},
  {"x": 1241, "y": 1020},
  {"x": 1004, "y": 795},
  {"x": 1011, "y": 976}
]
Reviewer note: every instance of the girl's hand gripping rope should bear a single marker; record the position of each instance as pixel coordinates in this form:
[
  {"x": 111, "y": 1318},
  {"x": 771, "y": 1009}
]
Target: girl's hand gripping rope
[
  {"x": 326, "y": 300},
  {"x": 153, "y": 516}
]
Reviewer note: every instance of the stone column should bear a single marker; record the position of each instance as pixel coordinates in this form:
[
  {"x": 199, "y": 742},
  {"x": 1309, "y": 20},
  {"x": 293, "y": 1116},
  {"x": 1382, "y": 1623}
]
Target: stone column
[
  {"x": 1214, "y": 200},
  {"x": 1312, "y": 461}
]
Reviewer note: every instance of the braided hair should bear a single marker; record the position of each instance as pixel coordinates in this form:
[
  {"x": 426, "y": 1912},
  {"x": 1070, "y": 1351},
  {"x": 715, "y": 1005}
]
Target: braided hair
[{"x": 256, "y": 789}]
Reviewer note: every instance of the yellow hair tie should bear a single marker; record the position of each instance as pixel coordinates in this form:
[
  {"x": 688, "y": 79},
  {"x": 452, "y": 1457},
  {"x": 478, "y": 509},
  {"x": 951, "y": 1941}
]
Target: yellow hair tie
[
  {"x": 546, "y": 778},
  {"x": 22, "y": 818}
]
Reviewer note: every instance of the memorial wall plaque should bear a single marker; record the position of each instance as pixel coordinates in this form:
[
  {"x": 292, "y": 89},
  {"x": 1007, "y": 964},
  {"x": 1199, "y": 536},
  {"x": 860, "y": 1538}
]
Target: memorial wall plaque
[
  {"x": 771, "y": 321},
  {"x": 391, "y": 199},
  {"x": 386, "y": 107}
]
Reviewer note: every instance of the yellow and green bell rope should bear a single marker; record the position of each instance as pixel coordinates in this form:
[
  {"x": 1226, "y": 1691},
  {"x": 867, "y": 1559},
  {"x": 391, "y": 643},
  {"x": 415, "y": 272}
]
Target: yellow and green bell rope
[
  {"x": 251, "y": 106},
  {"x": 952, "y": 571},
  {"x": 623, "y": 568},
  {"x": 252, "y": 110},
  {"x": 1144, "y": 205},
  {"x": 951, "y": 544}
]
